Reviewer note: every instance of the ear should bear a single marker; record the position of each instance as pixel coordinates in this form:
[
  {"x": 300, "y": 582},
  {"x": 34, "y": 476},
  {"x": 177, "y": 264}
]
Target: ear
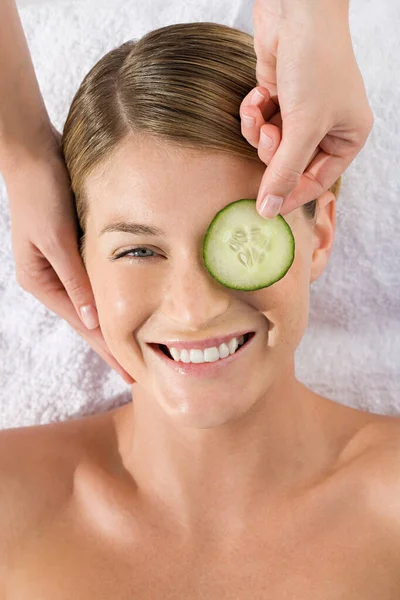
[{"x": 323, "y": 234}]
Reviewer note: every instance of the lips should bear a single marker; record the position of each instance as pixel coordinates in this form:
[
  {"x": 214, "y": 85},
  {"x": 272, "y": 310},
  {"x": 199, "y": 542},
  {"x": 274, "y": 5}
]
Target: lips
[{"x": 207, "y": 370}]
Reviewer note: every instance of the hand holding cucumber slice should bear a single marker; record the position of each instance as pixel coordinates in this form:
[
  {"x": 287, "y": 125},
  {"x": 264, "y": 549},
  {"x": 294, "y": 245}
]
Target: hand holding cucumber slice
[{"x": 244, "y": 251}]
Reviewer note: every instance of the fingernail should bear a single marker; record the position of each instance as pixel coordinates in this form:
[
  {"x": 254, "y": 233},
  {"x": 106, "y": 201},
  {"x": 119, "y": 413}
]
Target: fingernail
[
  {"x": 270, "y": 206},
  {"x": 89, "y": 316},
  {"x": 256, "y": 97},
  {"x": 265, "y": 140},
  {"x": 248, "y": 121}
]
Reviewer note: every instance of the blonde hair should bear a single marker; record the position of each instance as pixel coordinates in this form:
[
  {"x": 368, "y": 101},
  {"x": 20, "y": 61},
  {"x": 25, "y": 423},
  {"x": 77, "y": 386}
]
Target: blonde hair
[{"x": 182, "y": 84}]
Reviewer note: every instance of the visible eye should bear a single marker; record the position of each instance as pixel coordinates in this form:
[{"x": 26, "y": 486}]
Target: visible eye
[{"x": 136, "y": 254}]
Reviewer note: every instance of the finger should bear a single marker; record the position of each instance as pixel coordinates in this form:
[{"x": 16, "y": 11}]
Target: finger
[
  {"x": 266, "y": 150},
  {"x": 322, "y": 173},
  {"x": 58, "y": 301},
  {"x": 251, "y": 125},
  {"x": 251, "y": 130},
  {"x": 260, "y": 97},
  {"x": 287, "y": 165},
  {"x": 71, "y": 271},
  {"x": 94, "y": 337},
  {"x": 269, "y": 140},
  {"x": 101, "y": 348}
]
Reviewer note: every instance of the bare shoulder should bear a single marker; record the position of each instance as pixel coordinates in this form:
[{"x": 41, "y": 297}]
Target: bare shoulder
[
  {"x": 372, "y": 461},
  {"x": 37, "y": 466},
  {"x": 363, "y": 495},
  {"x": 35, "y": 469},
  {"x": 376, "y": 441}
]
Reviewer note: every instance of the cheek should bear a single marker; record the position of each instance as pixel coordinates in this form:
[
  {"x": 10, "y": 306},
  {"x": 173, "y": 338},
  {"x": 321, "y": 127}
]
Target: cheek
[
  {"x": 286, "y": 304},
  {"x": 124, "y": 302}
]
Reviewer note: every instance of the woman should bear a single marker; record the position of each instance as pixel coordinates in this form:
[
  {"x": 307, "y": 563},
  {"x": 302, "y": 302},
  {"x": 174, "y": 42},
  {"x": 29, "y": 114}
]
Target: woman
[
  {"x": 224, "y": 479},
  {"x": 305, "y": 62}
]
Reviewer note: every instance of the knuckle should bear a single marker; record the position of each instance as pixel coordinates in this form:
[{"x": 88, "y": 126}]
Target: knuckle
[
  {"x": 294, "y": 200},
  {"x": 73, "y": 286},
  {"x": 311, "y": 177},
  {"x": 21, "y": 282},
  {"x": 370, "y": 120},
  {"x": 264, "y": 154},
  {"x": 362, "y": 128},
  {"x": 24, "y": 279},
  {"x": 360, "y": 137},
  {"x": 287, "y": 174},
  {"x": 50, "y": 243}
]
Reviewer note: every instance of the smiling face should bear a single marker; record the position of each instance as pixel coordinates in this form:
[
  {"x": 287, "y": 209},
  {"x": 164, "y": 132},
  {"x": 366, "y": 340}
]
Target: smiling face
[{"x": 168, "y": 294}]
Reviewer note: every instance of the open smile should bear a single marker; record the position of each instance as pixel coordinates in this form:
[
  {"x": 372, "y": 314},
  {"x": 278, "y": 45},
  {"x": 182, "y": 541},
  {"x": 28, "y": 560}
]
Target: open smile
[{"x": 202, "y": 368}]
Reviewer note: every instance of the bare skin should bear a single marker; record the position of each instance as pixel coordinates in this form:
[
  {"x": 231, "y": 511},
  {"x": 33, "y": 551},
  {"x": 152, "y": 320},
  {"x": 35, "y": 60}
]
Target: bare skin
[
  {"x": 243, "y": 484},
  {"x": 76, "y": 525}
]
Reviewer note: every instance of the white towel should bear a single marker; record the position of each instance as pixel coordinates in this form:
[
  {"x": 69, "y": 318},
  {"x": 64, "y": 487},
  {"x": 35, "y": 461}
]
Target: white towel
[{"x": 351, "y": 350}]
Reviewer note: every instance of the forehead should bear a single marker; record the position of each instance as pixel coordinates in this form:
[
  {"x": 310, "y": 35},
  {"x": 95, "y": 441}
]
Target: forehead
[{"x": 152, "y": 182}]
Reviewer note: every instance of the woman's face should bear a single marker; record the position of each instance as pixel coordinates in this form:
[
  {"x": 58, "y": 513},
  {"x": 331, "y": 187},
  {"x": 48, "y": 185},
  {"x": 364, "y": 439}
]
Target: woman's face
[{"x": 171, "y": 295}]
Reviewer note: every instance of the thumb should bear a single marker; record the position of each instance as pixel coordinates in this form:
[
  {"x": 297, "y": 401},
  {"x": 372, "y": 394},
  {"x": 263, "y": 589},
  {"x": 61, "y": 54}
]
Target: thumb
[
  {"x": 68, "y": 265},
  {"x": 287, "y": 166}
]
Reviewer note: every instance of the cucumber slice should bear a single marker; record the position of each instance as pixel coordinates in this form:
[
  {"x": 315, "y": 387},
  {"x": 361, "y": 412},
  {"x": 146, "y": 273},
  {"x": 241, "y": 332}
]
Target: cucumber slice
[{"x": 244, "y": 251}]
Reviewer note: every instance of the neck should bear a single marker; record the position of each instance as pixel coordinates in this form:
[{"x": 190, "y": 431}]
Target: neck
[{"x": 219, "y": 475}]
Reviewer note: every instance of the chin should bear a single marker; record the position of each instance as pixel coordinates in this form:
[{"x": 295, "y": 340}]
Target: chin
[{"x": 198, "y": 411}]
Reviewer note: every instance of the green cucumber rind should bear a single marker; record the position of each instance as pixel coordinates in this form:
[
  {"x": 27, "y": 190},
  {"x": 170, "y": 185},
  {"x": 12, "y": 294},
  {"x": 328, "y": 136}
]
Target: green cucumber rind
[{"x": 225, "y": 283}]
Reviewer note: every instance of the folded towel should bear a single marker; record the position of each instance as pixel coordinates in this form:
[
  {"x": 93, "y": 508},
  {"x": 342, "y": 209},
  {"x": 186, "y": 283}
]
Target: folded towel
[{"x": 351, "y": 350}]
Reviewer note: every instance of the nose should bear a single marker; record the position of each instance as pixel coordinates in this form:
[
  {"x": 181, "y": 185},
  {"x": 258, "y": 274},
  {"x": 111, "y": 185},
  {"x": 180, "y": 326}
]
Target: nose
[{"x": 194, "y": 299}]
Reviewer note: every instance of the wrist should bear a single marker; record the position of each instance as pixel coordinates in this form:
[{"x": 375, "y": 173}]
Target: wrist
[
  {"x": 302, "y": 9},
  {"x": 39, "y": 148}
]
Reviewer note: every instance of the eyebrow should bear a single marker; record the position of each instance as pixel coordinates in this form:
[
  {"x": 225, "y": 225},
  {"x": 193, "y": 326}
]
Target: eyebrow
[{"x": 130, "y": 227}]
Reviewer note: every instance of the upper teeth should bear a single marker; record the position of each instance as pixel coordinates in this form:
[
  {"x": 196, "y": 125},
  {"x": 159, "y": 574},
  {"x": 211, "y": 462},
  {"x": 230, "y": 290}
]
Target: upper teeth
[{"x": 209, "y": 354}]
